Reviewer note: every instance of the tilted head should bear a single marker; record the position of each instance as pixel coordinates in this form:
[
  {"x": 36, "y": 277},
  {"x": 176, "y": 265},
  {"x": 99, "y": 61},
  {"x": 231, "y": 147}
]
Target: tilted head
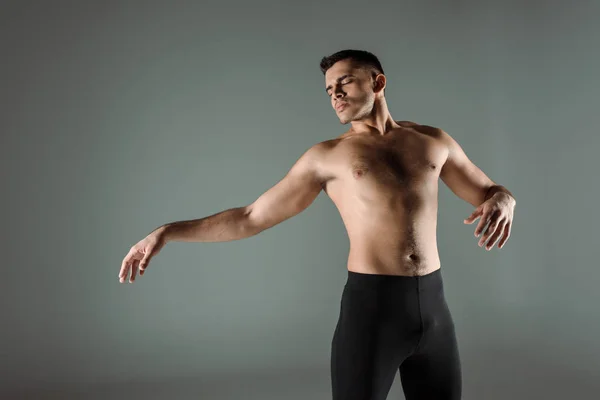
[{"x": 354, "y": 78}]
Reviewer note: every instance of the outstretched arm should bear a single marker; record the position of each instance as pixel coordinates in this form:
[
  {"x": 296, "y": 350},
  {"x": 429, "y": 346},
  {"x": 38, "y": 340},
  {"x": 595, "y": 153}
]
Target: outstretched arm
[
  {"x": 292, "y": 194},
  {"x": 295, "y": 192}
]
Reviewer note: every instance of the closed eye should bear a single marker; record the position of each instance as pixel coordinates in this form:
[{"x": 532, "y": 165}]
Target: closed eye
[{"x": 344, "y": 83}]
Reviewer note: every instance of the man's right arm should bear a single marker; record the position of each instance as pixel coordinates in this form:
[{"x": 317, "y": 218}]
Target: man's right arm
[{"x": 291, "y": 195}]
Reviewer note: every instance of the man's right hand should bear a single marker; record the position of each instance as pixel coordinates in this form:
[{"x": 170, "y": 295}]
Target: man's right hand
[{"x": 139, "y": 255}]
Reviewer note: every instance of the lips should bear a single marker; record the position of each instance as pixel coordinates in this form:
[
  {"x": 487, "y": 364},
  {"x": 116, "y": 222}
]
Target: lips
[{"x": 340, "y": 106}]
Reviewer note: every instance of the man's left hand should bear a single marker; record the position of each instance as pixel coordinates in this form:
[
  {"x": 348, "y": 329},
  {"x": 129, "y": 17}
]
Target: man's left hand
[{"x": 498, "y": 210}]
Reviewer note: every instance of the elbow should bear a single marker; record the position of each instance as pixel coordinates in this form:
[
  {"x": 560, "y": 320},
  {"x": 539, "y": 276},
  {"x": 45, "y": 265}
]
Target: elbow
[
  {"x": 260, "y": 219},
  {"x": 252, "y": 224}
]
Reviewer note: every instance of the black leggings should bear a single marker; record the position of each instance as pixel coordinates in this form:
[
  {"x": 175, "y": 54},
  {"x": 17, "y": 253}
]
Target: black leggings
[{"x": 390, "y": 323}]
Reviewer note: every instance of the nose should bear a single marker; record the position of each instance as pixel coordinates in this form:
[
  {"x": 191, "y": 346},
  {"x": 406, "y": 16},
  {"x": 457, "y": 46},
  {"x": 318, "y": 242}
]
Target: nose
[{"x": 339, "y": 93}]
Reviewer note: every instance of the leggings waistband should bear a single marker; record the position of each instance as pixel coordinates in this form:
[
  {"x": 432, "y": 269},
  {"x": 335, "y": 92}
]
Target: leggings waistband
[{"x": 431, "y": 281}]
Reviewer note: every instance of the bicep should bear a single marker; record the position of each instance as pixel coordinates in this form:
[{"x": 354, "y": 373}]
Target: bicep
[
  {"x": 462, "y": 176},
  {"x": 291, "y": 195}
]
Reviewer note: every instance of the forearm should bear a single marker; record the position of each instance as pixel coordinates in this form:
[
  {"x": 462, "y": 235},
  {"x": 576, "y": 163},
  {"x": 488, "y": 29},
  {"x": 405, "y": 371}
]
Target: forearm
[
  {"x": 498, "y": 189},
  {"x": 228, "y": 225}
]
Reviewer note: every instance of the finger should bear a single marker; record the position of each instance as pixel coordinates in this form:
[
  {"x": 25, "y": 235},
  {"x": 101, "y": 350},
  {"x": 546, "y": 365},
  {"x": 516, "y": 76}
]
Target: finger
[
  {"x": 146, "y": 258},
  {"x": 485, "y": 218},
  {"x": 495, "y": 236},
  {"x": 125, "y": 267},
  {"x": 506, "y": 235},
  {"x": 124, "y": 263},
  {"x": 134, "y": 267},
  {"x": 489, "y": 230},
  {"x": 483, "y": 237},
  {"x": 473, "y": 216}
]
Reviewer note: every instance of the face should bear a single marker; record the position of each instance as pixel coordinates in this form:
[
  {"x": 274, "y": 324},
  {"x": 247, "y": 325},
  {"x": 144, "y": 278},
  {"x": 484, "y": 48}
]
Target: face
[{"x": 352, "y": 88}]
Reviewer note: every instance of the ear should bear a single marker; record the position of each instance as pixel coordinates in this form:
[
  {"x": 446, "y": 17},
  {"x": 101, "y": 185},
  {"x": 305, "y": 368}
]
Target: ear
[{"x": 379, "y": 83}]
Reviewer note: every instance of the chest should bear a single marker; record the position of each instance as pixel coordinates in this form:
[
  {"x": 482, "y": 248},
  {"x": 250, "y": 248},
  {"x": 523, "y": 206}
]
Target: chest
[{"x": 390, "y": 163}]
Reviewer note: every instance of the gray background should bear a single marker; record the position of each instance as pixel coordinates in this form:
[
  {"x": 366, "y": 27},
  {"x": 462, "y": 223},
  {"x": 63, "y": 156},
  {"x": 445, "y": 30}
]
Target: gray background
[{"x": 120, "y": 116}]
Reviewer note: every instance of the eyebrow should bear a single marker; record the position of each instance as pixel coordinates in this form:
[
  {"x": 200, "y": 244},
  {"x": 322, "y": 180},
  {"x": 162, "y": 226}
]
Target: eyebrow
[{"x": 341, "y": 78}]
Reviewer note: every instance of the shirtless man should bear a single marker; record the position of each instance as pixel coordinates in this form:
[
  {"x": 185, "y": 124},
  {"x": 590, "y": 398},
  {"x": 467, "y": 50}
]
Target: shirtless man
[{"x": 383, "y": 177}]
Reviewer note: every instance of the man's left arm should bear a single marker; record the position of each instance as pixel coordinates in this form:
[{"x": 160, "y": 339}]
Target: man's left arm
[{"x": 494, "y": 203}]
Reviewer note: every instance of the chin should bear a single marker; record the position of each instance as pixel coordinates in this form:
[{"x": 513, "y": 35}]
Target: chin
[{"x": 345, "y": 119}]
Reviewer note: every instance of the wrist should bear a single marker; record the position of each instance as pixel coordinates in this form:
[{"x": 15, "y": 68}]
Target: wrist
[
  {"x": 163, "y": 232},
  {"x": 505, "y": 197}
]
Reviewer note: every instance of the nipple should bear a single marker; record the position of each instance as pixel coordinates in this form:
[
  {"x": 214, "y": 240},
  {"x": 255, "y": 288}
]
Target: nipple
[{"x": 358, "y": 173}]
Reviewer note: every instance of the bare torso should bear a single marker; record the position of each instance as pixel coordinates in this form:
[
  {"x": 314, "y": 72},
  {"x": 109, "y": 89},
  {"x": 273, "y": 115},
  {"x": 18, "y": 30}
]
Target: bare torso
[{"x": 386, "y": 190}]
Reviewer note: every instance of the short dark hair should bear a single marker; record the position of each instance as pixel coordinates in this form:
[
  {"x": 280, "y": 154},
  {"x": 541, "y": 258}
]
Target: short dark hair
[{"x": 360, "y": 58}]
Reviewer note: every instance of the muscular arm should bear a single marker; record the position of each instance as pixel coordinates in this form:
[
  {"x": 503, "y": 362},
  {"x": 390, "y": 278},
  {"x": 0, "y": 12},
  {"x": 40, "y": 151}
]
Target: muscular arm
[
  {"x": 463, "y": 177},
  {"x": 292, "y": 194}
]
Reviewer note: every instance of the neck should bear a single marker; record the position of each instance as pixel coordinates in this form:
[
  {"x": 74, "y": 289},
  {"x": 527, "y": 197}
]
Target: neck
[{"x": 378, "y": 121}]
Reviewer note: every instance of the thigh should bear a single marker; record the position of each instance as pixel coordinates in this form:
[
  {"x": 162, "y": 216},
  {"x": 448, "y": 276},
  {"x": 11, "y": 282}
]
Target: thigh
[
  {"x": 434, "y": 371},
  {"x": 363, "y": 363}
]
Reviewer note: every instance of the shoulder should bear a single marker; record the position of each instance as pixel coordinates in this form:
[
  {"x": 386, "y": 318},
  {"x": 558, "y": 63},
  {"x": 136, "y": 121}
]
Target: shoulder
[
  {"x": 433, "y": 132},
  {"x": 319, "y": 151},
  {"x": 314, "y": 157},
  {"x": 318, "y": 161}
]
